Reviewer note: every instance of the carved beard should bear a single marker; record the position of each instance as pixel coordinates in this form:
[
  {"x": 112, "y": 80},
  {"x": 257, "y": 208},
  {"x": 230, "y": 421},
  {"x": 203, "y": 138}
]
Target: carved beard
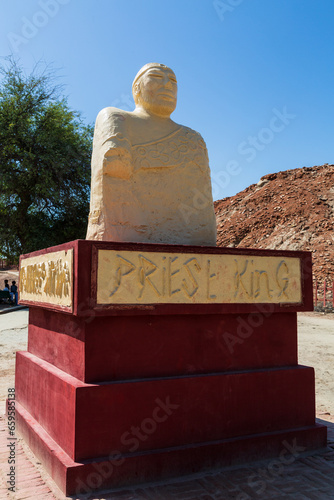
[{"x": 161, "y": 108}]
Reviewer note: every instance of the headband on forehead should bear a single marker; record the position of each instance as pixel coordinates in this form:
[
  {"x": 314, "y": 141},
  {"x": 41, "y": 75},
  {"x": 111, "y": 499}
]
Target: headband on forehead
[{"x": 146, "y": 68}]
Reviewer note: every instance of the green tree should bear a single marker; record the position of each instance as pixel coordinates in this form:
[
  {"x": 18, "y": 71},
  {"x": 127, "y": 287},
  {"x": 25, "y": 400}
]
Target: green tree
[{"x": 45, "y": 151}]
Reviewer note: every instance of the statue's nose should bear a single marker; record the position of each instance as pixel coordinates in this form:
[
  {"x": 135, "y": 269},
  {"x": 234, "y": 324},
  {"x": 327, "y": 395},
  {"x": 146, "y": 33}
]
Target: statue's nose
[{"x": 169, "y": 85}]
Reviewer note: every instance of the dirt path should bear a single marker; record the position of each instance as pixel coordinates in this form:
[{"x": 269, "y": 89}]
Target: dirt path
[
  {"x": 8, "y": 275},
  {"x": 316, "y": 348},
  {"x": 13, "y": 337}
]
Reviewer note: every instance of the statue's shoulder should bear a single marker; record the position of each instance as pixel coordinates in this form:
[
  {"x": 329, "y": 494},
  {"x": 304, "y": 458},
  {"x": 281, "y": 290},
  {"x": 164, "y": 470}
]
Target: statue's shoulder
[
  {"x": 113, "y": 114},
  {"x": 112, "y": 122},
  {"x": 193, "y": 135}
]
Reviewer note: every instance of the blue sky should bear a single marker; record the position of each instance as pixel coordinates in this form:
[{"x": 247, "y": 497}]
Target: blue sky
[{"x": 255, "y": 76}]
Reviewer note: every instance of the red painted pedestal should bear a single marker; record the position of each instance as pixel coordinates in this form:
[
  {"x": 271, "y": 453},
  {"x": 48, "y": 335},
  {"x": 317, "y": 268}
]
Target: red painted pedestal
[{"x": 109, "y": 395}]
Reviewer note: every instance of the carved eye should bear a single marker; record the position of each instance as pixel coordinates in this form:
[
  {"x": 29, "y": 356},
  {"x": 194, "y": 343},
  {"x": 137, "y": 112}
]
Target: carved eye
[{"x": 156, "y": 75}]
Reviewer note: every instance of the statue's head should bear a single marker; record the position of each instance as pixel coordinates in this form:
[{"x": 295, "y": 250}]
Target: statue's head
[{"x": 155, "y": 89}]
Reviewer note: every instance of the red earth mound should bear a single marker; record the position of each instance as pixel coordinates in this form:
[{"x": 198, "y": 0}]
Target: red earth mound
[{"x": 291, "y": 210}]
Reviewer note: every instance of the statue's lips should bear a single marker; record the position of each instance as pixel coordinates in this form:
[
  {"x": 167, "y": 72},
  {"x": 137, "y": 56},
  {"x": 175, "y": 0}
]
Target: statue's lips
[{"x": 167, "y": 95}]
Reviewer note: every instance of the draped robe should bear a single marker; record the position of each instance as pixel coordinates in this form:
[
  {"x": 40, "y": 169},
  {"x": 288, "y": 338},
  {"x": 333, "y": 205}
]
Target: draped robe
[{"x": 158, "y": 191}]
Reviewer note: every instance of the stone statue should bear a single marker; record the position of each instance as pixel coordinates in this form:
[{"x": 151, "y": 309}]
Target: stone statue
[{"x": 150, "y": 176}]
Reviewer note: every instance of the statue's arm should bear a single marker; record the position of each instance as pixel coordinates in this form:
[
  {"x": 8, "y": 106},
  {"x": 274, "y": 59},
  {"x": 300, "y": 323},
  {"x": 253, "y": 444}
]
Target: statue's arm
[
  {"x": 117, "y": 158},
  {"x": 111, "y": 139}
]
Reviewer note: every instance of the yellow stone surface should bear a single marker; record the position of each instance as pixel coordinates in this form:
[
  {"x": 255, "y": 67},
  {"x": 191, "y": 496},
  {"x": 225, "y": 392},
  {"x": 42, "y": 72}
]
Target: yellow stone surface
[
  {"x": 129, "y": 277},
  {"x": 150, "y": 176},
  {"x": 47, "y": 278}
]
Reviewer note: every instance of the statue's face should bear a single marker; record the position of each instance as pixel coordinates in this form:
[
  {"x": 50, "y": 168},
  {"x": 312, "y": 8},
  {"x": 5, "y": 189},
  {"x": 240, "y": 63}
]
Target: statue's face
[{"x": 157, "y": 91}]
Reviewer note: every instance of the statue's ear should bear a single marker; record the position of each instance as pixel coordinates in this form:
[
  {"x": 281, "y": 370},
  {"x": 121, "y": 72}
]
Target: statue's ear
[{"x": 136, "y": 89}]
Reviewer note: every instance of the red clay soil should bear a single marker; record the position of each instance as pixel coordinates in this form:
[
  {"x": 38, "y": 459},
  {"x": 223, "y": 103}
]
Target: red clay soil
[{"x": 291, "y": 210}]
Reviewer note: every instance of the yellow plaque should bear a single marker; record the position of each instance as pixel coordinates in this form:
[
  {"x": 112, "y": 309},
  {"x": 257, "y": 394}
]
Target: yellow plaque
[
  {"x": 129, "y": 277},
  {"x": 47, "y": 278}
]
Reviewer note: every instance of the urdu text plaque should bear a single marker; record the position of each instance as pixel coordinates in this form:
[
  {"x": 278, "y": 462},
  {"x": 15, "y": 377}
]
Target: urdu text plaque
[{"x": 47, "y": 278}]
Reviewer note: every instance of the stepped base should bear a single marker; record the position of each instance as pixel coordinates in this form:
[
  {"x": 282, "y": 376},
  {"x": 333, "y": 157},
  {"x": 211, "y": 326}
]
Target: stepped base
[
  {"x": 76, "y": 478},
  {"x": 148, "y": 361},
  {"x": 91, "y": 420}
]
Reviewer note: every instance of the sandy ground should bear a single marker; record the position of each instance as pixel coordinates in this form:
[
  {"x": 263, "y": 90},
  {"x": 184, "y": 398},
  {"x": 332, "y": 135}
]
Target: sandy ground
[
  {"x": 315, "y": 341},
  {"x": 13, "y": 337},
  {"x": 10, "y": 275},
  {"x": 316, "y": 348}
]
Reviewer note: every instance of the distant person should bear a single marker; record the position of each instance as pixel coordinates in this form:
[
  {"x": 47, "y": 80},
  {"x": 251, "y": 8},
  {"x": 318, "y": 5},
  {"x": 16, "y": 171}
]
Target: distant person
[
  {"x": 13, "y": 292},
  {"x": 6, "y": 289}
]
